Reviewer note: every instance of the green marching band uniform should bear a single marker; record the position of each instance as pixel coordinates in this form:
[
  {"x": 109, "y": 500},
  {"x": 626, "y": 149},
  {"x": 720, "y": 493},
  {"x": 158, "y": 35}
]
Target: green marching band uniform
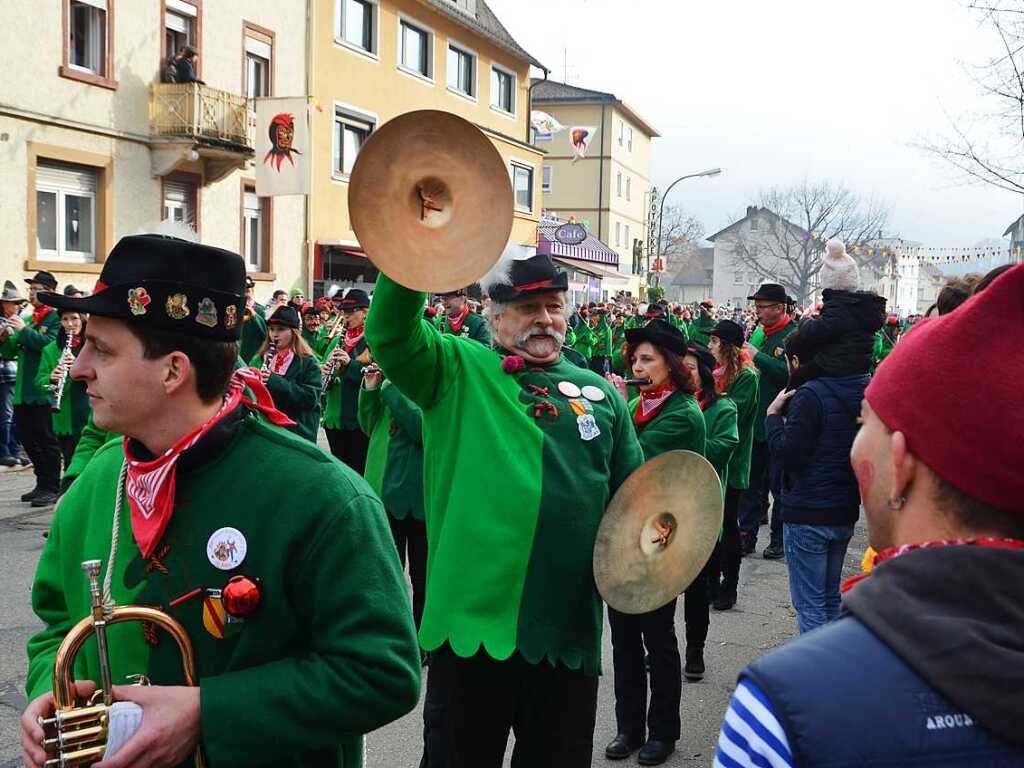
[
  {"x": 341, "y": 404},
  {"x": 254, "y": 331},
  {"x": 473, "y": 326},
  {"x": 74, "y": 411},
  {"x": 28, "y": 345},
  {"x": 297, "y": 393},
  {"x": 499, "y": 431},
  {"x": 90, "y": 440},
  {"x": 885, "y": 340},
  {"x": 744, "y": 393},
  {"x": 771, "y": 363},
  {"x": 329, "y": 653}
]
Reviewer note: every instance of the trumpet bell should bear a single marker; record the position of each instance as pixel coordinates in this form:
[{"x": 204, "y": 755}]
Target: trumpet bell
[{"x": 431, "y": 201}]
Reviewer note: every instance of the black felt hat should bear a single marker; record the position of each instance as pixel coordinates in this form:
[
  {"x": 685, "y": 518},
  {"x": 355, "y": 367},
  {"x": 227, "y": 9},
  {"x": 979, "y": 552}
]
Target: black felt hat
[
  {"x": 355, "y": 299},
  {"x": 771, "y": 292},
  {"x": 702, "y": 353},
  {"x": 654, "y": 311},
  {"x": 43, "y": 278},
  {"x": 285, "y": 315},
  {"x": 529, "y": 277},
  {"x": 660, "y": 334},
  {"x": 167, "y": 283},
  {"x": 729, "y": 332}
]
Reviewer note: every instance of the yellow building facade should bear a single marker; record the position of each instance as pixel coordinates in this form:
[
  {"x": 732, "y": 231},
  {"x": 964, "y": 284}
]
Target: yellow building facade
[
  {"x": 610, "y": 187},
  {"x": 375, "y": 59}
]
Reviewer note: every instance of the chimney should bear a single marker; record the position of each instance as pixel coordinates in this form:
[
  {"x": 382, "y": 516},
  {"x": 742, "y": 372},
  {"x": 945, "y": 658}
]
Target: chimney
[{"x": 751, "y": 210}]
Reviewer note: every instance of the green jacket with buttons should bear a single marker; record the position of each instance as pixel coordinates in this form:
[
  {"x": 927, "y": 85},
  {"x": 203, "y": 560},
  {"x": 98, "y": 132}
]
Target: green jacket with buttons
[
  {"x": 28, "y": 345},
  {"x": 723, "y": 436},
  {"x": 744, "y": 392},
  {"x": 75, "y": 409},
  {"x": 473, "y": 327},
  {"x": 330, "y": 653},
  {"x": 394, "y": 459},
  {"x": 679, "y": 426},
  {"x": 297, "y": 393},
  {"x": 341, "y": 404},
  {"x": 771, "y": 363}
]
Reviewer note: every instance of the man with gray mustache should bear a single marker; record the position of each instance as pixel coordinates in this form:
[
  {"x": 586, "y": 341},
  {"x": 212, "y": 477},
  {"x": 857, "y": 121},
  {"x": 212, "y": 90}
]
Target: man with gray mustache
[{"x": 523, "y": 450}]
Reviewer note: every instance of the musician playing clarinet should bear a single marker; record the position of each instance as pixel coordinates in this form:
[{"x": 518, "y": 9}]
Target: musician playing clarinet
[
  {"x": 54, "y": 373},
  {"x": 344, "y": 359},
  {"x": 291, "y": 371},
  {"x": 522, "y": 453},
  {"x": 296, "y": 608}
]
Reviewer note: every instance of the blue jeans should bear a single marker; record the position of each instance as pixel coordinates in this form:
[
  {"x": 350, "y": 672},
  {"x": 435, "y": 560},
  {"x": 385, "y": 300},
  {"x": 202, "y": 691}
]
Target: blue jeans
[
  {"x": 814, "y": 557},
  {"x": 8, "y": 442}
]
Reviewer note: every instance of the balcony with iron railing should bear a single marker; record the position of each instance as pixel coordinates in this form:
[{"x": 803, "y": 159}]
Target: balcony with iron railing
[{"x": 192, "y": 121}]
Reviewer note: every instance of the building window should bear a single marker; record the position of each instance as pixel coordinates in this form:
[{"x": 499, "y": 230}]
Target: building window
[
  {"x": 754, "y": 225},
  {"x": 357, "y": 24},
  {"x": 625, "y": 239},
  {"x": 66, "y": 212},
  {"x": 629, "y": 139},
  {"x": 618, "y": 184},
  {"x": 545, "y": 183},
  {"x": 181, "y": 26},
  {"x": 350, "y": 131},
  {"x": 181, "y": 202},
  {"x": 87, "y": 30},
  {"x": 461, "y": 71},
  {"x": 737, "y": 277},
  {"x": 416, "y": 49},
  {"x": 627, "y": 187},
  {"x": 540, "y": 136},
  {"x": 503, "y": 90},
  {"x": 522, "y": 184},
  {"x": 618, "y": 234},
  {"x": 259, "y": 59},
  {"x": 622, "y": 132},
  {"x": 256, "y": 217}
]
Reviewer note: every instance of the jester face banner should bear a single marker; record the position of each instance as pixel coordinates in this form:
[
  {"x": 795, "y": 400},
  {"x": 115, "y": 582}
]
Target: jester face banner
[
  {"x": 282, "y": 147},
  {"x": 580, "y": 137}
]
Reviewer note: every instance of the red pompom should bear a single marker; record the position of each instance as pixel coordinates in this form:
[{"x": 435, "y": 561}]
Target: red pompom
[
  {"x": 241, "y": 596},
  {"x": 512, "y": 364}
]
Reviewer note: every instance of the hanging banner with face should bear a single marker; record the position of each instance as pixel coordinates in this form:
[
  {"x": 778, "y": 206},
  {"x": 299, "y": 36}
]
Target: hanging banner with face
[
  {"x": 282, "y": 147},
  {"x": 580, "y": 137}
]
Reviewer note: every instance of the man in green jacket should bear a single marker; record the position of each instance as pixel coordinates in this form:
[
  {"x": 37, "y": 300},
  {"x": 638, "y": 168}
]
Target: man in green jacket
[
  {"x": 461, "y": 321},
  {"x": 275, "y": 558},
  {"x": 33, "y": 406},
  {"x": 770, "y": 303},
  {"x": 523, "y": 451}
]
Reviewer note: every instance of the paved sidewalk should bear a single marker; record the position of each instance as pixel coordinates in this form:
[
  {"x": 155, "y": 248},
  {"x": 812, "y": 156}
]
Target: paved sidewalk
[{"x": 762, "y": 619}]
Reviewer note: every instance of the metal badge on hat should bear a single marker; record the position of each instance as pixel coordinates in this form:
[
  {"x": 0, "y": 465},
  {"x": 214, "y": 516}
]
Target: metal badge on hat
[
  {"x": 177, "y": 306},
  {"x": 207, "y": 313},
  {"x": 230, "y": 316},
  {"x": 138, "y": 300}
]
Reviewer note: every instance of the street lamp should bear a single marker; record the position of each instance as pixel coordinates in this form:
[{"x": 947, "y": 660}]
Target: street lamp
[{"x": 661, "y": 213}]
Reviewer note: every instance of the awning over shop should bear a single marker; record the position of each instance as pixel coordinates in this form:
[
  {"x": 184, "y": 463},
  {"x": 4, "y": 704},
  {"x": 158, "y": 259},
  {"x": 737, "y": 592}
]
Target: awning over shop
[
  {"x": 610, "y": 278},
  {"x": 590, "y": 250}
]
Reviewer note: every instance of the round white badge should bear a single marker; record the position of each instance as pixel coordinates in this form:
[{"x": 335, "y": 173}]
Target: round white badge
[
  {"x": 568, "y": 389},
  {"x": 593, "y": 394},
  {"x": 226, "y": 548}
]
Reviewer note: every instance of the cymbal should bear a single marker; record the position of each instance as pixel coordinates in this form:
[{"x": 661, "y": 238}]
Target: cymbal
[
  {"x": 658, "y": 532},
  {"x": 431, "y": 201}
]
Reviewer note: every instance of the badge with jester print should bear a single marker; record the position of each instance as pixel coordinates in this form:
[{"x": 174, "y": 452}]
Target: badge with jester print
[
  {"x": 206, "y": 314},
  {"x": 138, "y": 300},
  {"x": 226, "y": 548}
]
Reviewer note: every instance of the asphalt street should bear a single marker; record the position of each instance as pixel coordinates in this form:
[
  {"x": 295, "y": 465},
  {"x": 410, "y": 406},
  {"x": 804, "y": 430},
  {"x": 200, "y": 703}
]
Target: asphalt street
[{"x": 762, "y": 619}]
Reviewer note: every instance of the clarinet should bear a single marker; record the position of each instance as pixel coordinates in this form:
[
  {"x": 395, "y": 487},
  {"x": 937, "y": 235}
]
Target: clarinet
[
  {"x": 58, "y": 387},
  {"x": 268, "y": 357},
  {"x": 332, "y": 364}
]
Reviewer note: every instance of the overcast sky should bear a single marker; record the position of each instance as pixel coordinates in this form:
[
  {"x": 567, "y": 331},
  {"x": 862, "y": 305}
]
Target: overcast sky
[{"x": 775, "y": 92}]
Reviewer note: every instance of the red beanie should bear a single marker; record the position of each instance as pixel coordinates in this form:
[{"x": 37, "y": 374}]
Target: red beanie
[{"x": 952, "y": 386}]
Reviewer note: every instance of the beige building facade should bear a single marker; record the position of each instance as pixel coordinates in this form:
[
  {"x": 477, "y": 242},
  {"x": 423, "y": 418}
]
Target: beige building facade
[
  {"x": 94, "y": 146},
  {"x": 610, "y": 187},
  {"x": 376, "y": 59}
]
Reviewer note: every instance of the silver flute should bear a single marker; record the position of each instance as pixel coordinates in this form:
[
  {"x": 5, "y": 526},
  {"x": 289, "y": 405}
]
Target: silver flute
[
  {"x": 268, "y": 357},
  {"x": 65, "y": 369}
]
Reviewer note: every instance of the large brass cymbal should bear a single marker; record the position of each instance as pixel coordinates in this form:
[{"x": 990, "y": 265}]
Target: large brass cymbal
[
  {"x": 658, "y": 532},
  {"x": 431, "y": 201}
]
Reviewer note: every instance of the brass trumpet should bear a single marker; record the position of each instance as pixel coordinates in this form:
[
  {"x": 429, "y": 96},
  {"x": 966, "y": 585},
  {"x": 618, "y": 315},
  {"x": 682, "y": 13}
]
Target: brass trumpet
[{"x": 77, "y": 733}]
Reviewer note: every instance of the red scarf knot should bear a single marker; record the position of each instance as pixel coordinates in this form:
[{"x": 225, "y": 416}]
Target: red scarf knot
[
  {"x": 651, "y": 402},
  {"x": 150, "y": 485},
  {"x": 455, "y": 323},
  {"x": 39, "y": 314},
  {"x": 352, "y": 338},
  {"x": 769, "y": 330}
]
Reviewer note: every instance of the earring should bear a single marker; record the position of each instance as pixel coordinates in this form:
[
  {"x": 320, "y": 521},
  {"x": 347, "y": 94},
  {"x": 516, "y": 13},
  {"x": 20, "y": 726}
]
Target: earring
[{"x": 897, "y": 504}]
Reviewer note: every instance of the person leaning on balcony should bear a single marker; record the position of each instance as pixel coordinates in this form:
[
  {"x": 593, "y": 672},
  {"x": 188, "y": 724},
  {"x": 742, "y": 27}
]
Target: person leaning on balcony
[{"x": 185, "y": 67}]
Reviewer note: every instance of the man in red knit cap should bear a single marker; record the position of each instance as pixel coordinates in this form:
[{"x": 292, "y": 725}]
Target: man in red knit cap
[{"x": 926, "y": 666}]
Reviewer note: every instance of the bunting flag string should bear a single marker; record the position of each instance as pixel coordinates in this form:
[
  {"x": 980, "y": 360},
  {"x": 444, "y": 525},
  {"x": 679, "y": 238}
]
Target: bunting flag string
[{"x": 926, "y": 254}]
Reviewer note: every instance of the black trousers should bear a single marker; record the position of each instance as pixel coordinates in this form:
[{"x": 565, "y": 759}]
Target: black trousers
[
  {"x": 765, "y": 477},
  {"x": 34, "y": 424},
  {"x": 725, "y": 572},
  {"x": 67, "y": 443},
  {"x": 656, "y": 632},
  {"x": 697, "y": 608},
  {"x": 472, "y": 704},
  {"x": 350, "y": 446},
  {"x": 411, "y": 540}
]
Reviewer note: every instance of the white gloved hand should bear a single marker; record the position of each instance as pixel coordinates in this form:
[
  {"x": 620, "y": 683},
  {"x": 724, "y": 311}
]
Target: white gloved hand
[{"x": 125, "y": 719}]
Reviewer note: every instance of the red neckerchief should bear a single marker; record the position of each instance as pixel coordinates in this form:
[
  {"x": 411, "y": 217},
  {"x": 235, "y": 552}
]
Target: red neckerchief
[
  {"x": 352, "y": 338},
  {"x": 701, "y": 400},
  {"x": 40, "y": 313},
  {"x": 456, "y": 323},
  {"x": 281, "y": 361},
  {"x": 786, "y": 320},
  {"x": 651, "y": 402},
  {"x": 150, "y": 484},
  {"x": 892, "y": 552}
]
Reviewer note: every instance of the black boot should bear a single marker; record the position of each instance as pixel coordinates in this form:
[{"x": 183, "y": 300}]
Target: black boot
[
  {"x": 31, "y": 494},
  {"x": 726, "y": 599},
  {"x": 621, "y": 747},
  {"x": 694, "y": 669},
  {"x": 773, "y": 551},
  {"x": 44, "y": 499},
  {"x": 655, "y": 752}
]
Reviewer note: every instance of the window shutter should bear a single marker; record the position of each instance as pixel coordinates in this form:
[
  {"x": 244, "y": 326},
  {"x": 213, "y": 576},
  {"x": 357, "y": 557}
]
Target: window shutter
[
  {"x": 177, "y": 192},
  {"x": 67, "y": 177},
  {"x": 178, "y": 6},
  {"x": 257, "y": 47},
  {"x": 101, "y": 4}
]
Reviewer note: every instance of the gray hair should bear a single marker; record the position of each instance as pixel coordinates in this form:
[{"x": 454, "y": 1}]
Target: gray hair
[{"x": 492, "y": 311}]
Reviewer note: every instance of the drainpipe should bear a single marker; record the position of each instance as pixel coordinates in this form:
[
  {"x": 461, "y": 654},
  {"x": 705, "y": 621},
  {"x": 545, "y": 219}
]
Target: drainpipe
[
  {"x": 600, "y": 181},
  {"x": 307, "y": 266}
]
